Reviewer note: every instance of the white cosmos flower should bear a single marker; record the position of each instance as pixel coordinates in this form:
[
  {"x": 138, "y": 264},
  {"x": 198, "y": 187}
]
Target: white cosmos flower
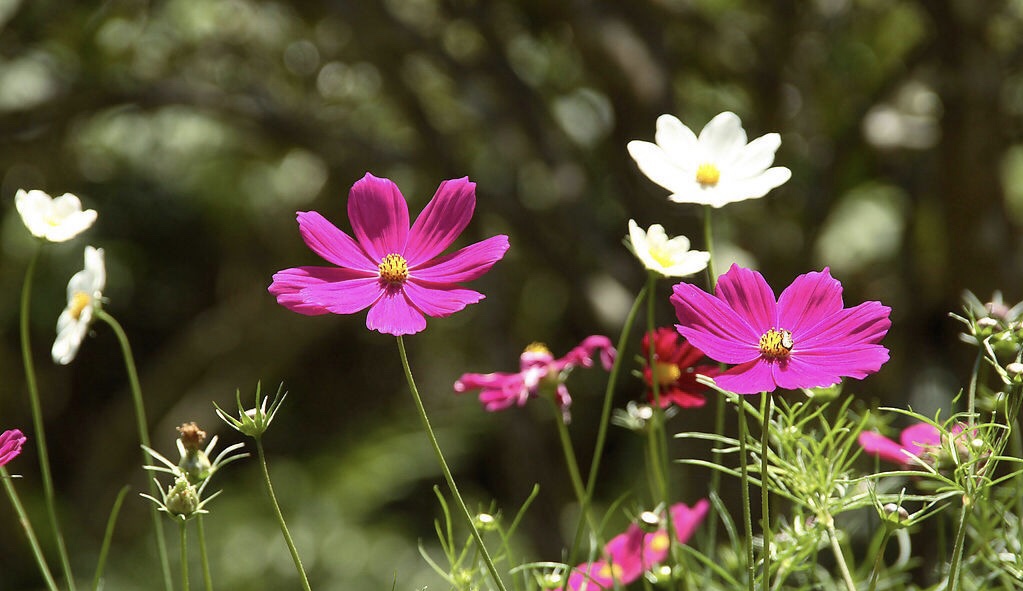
[
  {"x": 84, "y": 297},
  {"x": 716, "y": 168},
  {"x": 669, "y": 257},
  {"x": 54, "y": 219}
]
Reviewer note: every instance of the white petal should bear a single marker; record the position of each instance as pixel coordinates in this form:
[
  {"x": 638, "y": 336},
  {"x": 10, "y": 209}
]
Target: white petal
[
  {"x": 756, "y": 156},
  {"x": 694, "y": 262},
  {"x": 656, "y": 164},
  {"x": 70, "y": 333},
  {"x": 678, "y": 141},
  {"x": 723, "y": 137}
]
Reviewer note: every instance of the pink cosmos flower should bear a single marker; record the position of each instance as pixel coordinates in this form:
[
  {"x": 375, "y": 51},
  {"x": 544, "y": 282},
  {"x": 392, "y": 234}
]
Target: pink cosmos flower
[
  {"x": 537, "y": 365},
  {"x": 804, "y": 339},
  {"x": 10, "y": 445},
  {"x": 919, "y": 441},
  {"x": 628, "y": 555},
  {"x": 395, "y": 271}
]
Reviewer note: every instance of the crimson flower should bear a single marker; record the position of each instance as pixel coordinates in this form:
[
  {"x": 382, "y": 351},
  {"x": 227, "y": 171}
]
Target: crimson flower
[
  {"x": 628, "y": 555},
  {"x": 395, "y": 271},
  {"x": 804, "y": 339},
  {"x": 10, "y": 445},
  {"x": 921, "y": 440},
  {"x": 537, "y": 365},
  {"x": 675, "y": 369}
]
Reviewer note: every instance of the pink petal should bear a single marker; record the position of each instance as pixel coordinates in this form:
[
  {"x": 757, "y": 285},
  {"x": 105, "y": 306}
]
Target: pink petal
[
  {"x": 326, "y": 240},
  {"x": 797, "y": 372},
  {"x": 746, "y": 292},
  {"x": 854, "y": 361},
  {"x": 751, "y": 377},
  {"x": 809, "y": 299},
  {"x": 463, "y": 265},
  {"x": 393, "y": 314},
  {"x": 713, "y": 327},
  {"x": 882, "y": 447},
  {"x": 10, "y": 445},
  {"x": 439, "y": 300},
  {"x": 443, "y": 219},
  {"x": 319, "y": 290},
  {"x": 685, "y": 519},
  {"x": 916, "y": 437},
  {"x": 866, "y": 323},
  {"x": 379, "y": 216},
  {"x": 591, "y": 577},
  {"x": 681, "y": 398}
]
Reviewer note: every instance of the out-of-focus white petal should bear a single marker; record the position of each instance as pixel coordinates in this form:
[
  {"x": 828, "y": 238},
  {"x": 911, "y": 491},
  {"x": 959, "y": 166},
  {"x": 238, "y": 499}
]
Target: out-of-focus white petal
[
  {"x": 668, "y": 257},
  {"x": 84, "y": 295},
  {"x": 55, "y": 220}
]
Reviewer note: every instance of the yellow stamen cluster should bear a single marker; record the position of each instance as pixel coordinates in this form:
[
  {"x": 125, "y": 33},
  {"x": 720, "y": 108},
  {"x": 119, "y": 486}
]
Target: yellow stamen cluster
[
  {"x": 537, "y": 349},
  {"x": 665, "y": 373},
  {"x": 393, "y": 269},
  {"x": 79, "y": 302},
  {"x": 707, "y": 174},
  {"x": 776, "y": 344}
]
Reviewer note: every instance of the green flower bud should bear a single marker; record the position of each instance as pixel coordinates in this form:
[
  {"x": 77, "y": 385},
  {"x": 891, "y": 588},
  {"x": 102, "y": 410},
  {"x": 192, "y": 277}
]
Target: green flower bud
[{"x": 182, "y": 498}]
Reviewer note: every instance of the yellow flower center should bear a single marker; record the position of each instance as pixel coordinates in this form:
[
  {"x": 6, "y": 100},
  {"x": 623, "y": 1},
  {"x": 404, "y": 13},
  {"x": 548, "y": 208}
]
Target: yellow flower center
[
  {"x": 707, "y": 174},
  {"x": 610, "y": 571},
  {"x": 659, "y": 542},
  {"x": 776, "y": 344},
  {"x": 394, "y": 269},
  {"x": 666, "y": 373},
  {"x": 79, "y": 301},
  {"x": 537, "y": 349}
]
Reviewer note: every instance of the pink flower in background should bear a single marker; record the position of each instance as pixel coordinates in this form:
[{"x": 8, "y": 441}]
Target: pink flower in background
[
  {"x": 537, "y": 365},
  {"x": 395, "y": 271},
  {"x": 10, "y": 445},
  {"x": 674, "y": 369},
  {"x": 916, "y": 440},
  {"x": 804, "y": 339},
  {"x": 628, "y": 555}
]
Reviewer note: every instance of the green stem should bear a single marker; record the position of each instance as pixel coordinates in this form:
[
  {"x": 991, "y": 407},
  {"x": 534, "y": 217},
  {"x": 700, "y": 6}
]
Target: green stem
[
  {"x": 143, "y": 429},
  {"x": 444, "y": 467},
  {"x": 570, "y": 461},
  {"x": 746, "y": 513},
  {"x": 719, "y": 414},
  {"x": 107, "y": 536},
  {"x": 765, "y": 500},
  {"x": 836, "y": 549},
  {"x": 27, "y": 526},
  {"x": 952, "y": 583},
  {"x": 37, "y": 422},
  {"x": 280, "y": 516},
  {"x": 708, "y": 240},
  {"x": 879, "y": 561},
  {"x": 207, "y": 579},
  {"x": 184, "y": 555},
  {"x": 971, "y": 393}
]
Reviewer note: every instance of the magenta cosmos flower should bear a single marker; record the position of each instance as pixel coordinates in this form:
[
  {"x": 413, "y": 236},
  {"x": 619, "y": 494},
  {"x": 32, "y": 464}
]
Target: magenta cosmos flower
[
  {"x": 395, "y": 271},
  {"x": 538, "y": 366},
  {"x": 920, "y": 441},
  {"x": 804, "y": 339},
  {"x": 628, "y": 555},
  {"x": 10, "y": 445}
]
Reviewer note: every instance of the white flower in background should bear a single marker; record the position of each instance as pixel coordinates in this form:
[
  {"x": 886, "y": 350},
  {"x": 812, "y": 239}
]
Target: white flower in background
[
  {"x": 84, "y": 297},
  {"x": 715, "y": 169},
  {"x": 55, "y": 219},
  {"x": 669, "y": 257}
]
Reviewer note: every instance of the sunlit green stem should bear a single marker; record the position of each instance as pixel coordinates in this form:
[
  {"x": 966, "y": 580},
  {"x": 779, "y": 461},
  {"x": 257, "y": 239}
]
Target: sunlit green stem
[
  {"x": 971, "y": 393},
  {"x": 836, "y": 549},
  {"x": 444, "y": 468},
  {"x": 747, "y": 518},
  {"x": 37, "y": 421},
  {"x": 184, "y": 554},
  {"x": 765, "y": 499},
  {"x": 952, "y": 583},
  {"x": 107, "y": 536},
  {"x": 708, "y": 242},
  {"x": 37, "y": 552},
  {"x": 280, "y": 516},
  {"x": 657, "y": 434},
  {"x": 719, "y": 412},
  {"x": 569, "y": 453},
  {"x": 143, "y": 429},
  {"x": 879, "y": 560},
  {"x": 207, "y": 579}
]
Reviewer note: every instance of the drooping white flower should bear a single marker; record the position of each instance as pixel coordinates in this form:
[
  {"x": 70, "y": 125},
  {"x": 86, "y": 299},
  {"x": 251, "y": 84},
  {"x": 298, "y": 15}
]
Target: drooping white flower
[
  {"x": 84, "y": 297},
  {"x": 716, "y": 168},
  {"x": 54, "y": 219},
  {"x": 670, "y": 257}
]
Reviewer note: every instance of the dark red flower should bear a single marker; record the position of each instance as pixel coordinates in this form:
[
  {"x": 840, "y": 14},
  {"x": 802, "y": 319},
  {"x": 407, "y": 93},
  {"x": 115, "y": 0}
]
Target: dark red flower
[{"x": 675, "y": 367}]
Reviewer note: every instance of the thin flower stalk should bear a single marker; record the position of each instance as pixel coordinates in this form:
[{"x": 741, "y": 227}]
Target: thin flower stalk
[
  {"x": 37, "y": 423},
  {"x": 26, "y": 525},
  {"x": 657, "y": 438},
  {"x": 444, "y": 467},
  {"x": 836, "y": 549},
  {"x": 108, "y": 535},
  {"x": 143, "y": 429},
  {"x": 280, "y": 516},
  {"x": 183, "y": 538},
  {"x": 207, "y": 578},
  {"x": 747, "y": 518},
  {"x": 765, "y": 498},
  {"x": 719, "y": 409}
]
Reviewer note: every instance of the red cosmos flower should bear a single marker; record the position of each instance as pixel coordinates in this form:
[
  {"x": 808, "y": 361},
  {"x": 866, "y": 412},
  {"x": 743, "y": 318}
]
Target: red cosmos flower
[{"x": 675, "y": 369}]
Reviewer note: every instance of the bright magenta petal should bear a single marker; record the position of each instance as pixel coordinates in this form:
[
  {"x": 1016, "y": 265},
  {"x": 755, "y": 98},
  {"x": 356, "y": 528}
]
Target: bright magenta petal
[
  {"x": 866, "y": 323},
  {"x": 687, "y": 519},
  {"x": 379, "y": 216},
  {"x": 440, "y": 300},
  {"x": 466, "y": 264},
  {"x": 712, "y": 327},
  {"x": 333, "y": 245},
  {"x": 314, "y": 290},
  {"x": 10, "y": 445},
  {"x": 746, "y": 292},
  {"x": 393, "y": 314},
  {"x": 916, "y": 437},
  {"x": 443, "y": 219},
  {"x": 827, "y": 366},
  {"x": 809, "y": 299},
  {"x": 882, "y": 447},
  {"x": 751, "y": 377}
]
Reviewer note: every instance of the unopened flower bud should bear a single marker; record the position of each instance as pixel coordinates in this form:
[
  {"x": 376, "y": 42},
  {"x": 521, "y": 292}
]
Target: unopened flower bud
[
  {"x": 485, "y": 522},
  {"x": 194, "y": 461},
  {"x": 663, "y": 575},
  {"x": 182, "y": 498},
  {"x": 649, "y": 521},
  {"x": 551, "y": 581},
  {"x": 1015, "y": 371},
  {"x": 895, "y": 516}
]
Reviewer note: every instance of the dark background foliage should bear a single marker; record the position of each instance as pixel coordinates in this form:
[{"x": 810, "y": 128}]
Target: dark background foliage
[{"x": 198, "y": 127}]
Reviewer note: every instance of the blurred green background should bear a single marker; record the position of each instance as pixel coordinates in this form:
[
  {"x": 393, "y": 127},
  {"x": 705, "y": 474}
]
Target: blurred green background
[{"x": 198, "y": 127}]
